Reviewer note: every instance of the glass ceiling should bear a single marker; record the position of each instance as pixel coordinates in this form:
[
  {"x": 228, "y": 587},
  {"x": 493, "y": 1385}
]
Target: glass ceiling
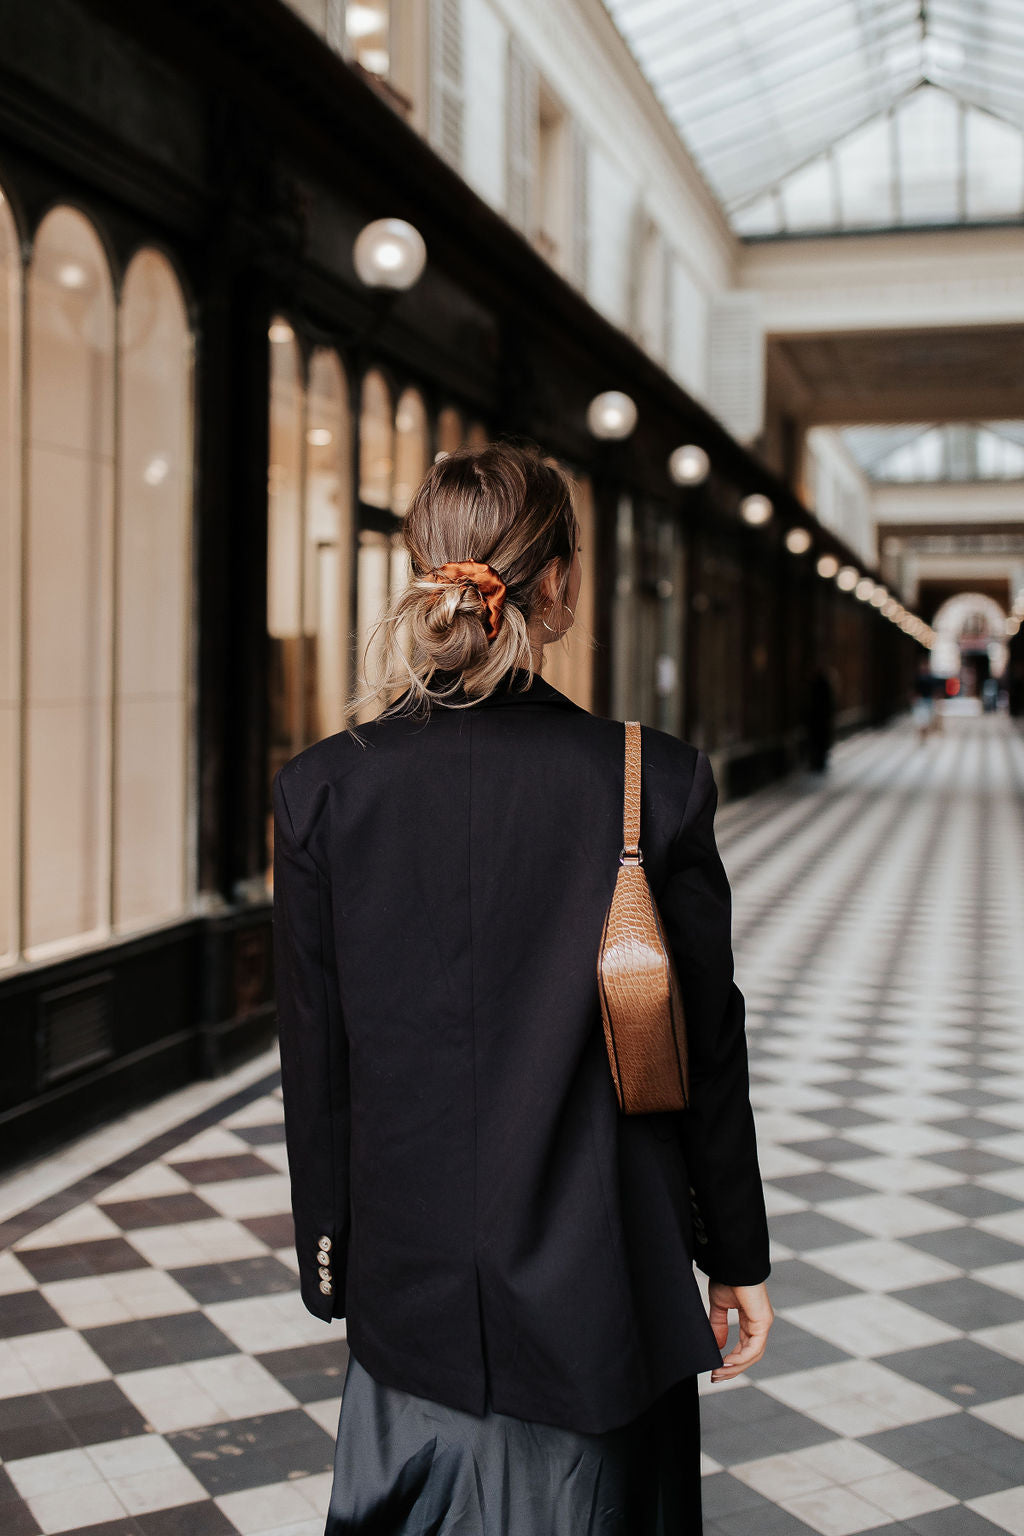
[
  {"x": 955, "y": 452},
  {"x": 826, "y": 115}
]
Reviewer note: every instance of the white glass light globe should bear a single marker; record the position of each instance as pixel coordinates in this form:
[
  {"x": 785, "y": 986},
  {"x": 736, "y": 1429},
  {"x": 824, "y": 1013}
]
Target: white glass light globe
[
  {"x": 689, "y": 465},
  {"x": 756, "y": 509},
  {"x": 389, "y": 253},
  {"x": 847, "y": 578},
  {"x": 864, "y": 589},
  {"x": 828, "y": 565},
  {"x": 611, "y": 415},
  {"x": 798, "y": 541}
]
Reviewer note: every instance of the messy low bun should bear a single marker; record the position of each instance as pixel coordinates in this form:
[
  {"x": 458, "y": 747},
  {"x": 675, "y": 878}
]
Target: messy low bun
[
  {"x": 448, "y": 625},
  {"x": 506, "y": 506}
]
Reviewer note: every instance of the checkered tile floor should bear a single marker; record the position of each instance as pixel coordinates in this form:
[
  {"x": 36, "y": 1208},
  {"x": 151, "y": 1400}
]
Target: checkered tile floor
[{"x": 159, "y": 1376}]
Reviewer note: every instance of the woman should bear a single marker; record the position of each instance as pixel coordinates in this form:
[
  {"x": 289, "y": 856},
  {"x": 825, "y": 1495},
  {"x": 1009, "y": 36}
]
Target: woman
[{"x": 513, "y": 1257}]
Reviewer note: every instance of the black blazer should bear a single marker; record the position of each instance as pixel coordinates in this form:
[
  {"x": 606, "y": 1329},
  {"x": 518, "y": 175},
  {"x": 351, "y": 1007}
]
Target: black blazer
[{"x": 490, "y": 1218}]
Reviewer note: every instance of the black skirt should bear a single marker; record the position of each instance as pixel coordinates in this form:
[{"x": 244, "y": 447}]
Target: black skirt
[{"x": 405, "y": 1466}]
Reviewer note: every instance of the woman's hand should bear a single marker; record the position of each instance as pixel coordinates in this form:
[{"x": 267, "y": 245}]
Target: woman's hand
[{"x": 755, "y": 1319}]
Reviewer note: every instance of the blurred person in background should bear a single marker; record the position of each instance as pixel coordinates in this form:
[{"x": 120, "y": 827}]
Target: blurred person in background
[
  {"x": 821, "y": 706},
  {"x": 925, "y": 686}
]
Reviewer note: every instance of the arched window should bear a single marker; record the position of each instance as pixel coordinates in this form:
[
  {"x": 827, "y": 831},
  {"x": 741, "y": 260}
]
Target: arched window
[
  {"x": 69, "y": 595},
  {"x": 153, "y": 584},
  {"x": 309, "y": 546},
  {"x": 376, "y": 442},
  {"x": 450, "y": 431},
  {"x": 328, "y": 537},
  {"x": 10, "y": 584},
  {"x": 285, "y": 563},
  {"x": 412, "y": 448}
]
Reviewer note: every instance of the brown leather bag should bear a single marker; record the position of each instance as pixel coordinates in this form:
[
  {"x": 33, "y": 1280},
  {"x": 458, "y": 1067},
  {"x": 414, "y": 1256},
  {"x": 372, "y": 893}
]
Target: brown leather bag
[{"x": 641, "y": 1005}]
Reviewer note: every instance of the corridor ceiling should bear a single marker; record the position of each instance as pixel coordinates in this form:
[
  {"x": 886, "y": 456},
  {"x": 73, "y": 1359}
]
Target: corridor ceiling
[{"x": 818, "y": 116}]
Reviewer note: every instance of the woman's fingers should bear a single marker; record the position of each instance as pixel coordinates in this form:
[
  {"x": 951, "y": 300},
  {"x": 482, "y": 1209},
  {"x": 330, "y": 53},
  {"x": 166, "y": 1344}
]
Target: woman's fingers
[
  {"x": 751, "y": 1346},
  {"x": 718, "y": 1316},
  {"x": 755, "y": 1315}
]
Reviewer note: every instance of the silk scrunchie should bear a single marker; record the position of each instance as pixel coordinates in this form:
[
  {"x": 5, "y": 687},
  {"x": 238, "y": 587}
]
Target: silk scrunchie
[{"x": 488, "y": 583}]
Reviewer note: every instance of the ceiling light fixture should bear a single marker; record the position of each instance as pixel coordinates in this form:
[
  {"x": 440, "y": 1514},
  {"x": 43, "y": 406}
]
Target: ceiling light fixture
[
  {"x": 611, "y": 415},
  {"x": 689, "y": 465}
]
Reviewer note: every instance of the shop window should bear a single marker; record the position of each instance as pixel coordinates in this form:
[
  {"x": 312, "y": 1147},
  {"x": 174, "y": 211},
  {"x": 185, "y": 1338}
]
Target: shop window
[
  {"x": 373, "y": 585},
  {"x": 309, "y": 549},
  {"x": 450, "y": 431},
  {"x": 569, "y": 662},
  {"x": 376, "y": 442},
  {"x": 285, "y": 545},
  {"x": 10, "y": 563},
  {"x": 412, "y": 449},
  {"x": 328, "y": 487},
  {"x": 69, "y": 594},
  {"x": 153, "y": 586},
  {"x": 368, "y": 35}
]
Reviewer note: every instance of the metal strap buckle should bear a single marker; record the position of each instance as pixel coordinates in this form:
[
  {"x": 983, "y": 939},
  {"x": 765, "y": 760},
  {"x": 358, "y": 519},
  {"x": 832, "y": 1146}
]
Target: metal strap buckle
[{"x": 631, "y": 858}]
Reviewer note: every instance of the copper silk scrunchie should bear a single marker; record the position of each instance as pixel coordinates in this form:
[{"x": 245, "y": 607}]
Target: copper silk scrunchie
[{"x": 486, "y": 580}]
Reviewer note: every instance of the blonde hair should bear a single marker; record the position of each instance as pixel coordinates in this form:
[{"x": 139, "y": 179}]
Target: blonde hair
[{"x": 503, "y": 504}]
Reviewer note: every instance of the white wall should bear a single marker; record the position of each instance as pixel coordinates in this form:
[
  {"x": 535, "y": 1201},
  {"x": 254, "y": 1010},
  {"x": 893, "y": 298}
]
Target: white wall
[{"x": 633, "y": 153}]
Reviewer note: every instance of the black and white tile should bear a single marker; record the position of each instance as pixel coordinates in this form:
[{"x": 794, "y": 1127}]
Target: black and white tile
[
  {"x": 877, "y": 918},
  {"x": 160, "y": 1377}
]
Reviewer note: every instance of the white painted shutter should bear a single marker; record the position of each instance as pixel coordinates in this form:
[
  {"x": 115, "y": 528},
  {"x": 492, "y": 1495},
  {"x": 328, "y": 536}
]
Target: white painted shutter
[
  {"x": 668, "y": 312},
  {"x": 521, "y": 140},
  {"x": 335, "y": 31},
  {"x": 736, "y": 364},
  {"x": 636, "y": 241},
  {"x": 447, "y": 93},
  {"x": 579, "y": 234}
]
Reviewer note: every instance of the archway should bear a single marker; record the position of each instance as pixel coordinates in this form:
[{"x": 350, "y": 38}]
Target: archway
[{"x": 970, "y": 643}]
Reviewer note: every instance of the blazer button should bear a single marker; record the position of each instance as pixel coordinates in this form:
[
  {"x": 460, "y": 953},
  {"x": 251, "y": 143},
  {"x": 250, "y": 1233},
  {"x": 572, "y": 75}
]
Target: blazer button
[
  {"x": 325, "y": 1244},
  {"x": 325, "y": 1274},
  {"x": 702, "y": 1237},
  {"x": 325, "y": 1286}
]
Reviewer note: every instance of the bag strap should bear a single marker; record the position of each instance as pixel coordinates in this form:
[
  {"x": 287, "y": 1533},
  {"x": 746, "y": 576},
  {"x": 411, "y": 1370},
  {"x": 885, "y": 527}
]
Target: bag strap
[{"x": 631, "y": 797}]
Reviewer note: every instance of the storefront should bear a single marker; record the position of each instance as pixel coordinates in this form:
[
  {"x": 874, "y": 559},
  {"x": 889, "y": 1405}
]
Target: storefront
[{"x": 209, "y": 432}]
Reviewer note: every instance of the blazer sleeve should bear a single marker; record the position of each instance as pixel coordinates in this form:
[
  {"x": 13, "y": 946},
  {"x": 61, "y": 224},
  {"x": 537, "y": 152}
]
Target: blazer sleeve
[
  {"x": 314, "y": 1066},
  {"x": 717, "y": 1131}
]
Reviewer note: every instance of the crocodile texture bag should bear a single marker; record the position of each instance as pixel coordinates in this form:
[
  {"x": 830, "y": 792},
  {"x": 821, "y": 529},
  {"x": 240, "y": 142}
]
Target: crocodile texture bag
[{"x": 641, "y": 1006}]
